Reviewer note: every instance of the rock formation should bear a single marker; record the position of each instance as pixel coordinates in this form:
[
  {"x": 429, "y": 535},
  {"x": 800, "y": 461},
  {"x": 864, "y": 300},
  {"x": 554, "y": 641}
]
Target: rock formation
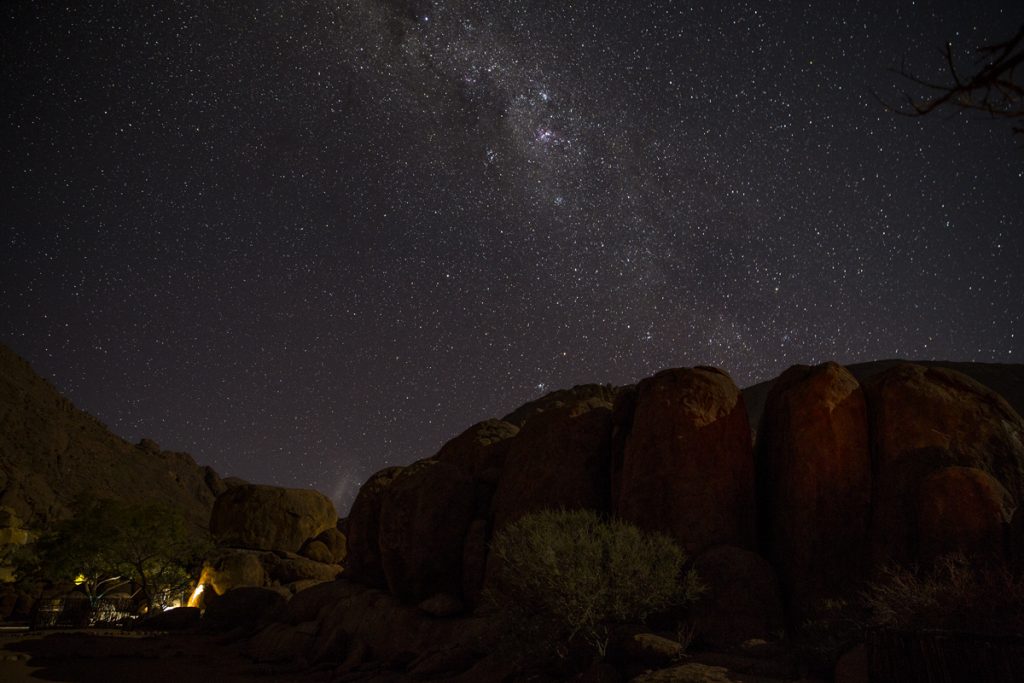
[
  {"x": 424, "y": 516},
  {"x": 51, "y": 453},
  {"x": 925, "y": 419},
  {"x": 270, "y": 518},
  {"x": 560, "y": 459},
  {"x": 479, "y": 448},
  {"x": 687, "y": 466},
  {"x": 963, "y": 510},
  {"x": 363, "y": 530},
  {"x": 259, "y": 528},
  {"x": 814, "y": 483},
  {"x": 921, "y": 462}
]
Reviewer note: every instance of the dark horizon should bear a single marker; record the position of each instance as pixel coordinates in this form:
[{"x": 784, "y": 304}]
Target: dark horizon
[{"x": 306, "y": 242}]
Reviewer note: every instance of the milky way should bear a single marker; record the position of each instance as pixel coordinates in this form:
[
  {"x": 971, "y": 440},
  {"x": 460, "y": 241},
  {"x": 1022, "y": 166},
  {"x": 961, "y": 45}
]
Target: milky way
[{"x": 305, "y": 240}]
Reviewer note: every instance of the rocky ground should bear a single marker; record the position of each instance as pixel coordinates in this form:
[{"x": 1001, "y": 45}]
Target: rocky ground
[{"x": 108, "y": 655}]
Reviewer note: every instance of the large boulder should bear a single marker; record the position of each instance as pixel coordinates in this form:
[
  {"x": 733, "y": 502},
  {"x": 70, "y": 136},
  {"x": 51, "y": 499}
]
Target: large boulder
[
  {"x": 595, "y": 394},
  {"x": 560, "y": 459},
  {"x": 424, "y": 517},
  {"x": 742, "y": 601},
  {"x": 362, "y": 530},
  {"x": 476, "y": 449},
  {"x": 963, "y": 510},
  {"x": 176, "y": 619},
  {"x": 345, "y": 612},
  {"x": 289, "y": 568},
  {"x": 245, "y": 608},
  {"x": 227, "y": 569},
  {"x": 688, "y": 465},
  {"x": 923, "y": 420},
  {"x": 270, "y": 518},
  {"x": 474, "y": 560},
  {"x": 814, "y": 481},
  {"x": 335, "y": 542}
]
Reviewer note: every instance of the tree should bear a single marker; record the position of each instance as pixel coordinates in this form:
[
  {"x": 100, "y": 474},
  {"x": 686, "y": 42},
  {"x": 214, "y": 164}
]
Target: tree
[
  {"x": 564, "y": 576},
  {"x": 110, "y": 544},
  {"x": 993, "y": 83}
]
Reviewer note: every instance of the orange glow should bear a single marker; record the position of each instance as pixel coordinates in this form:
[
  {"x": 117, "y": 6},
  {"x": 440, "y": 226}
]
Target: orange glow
[{"x": 196, "y": 595}]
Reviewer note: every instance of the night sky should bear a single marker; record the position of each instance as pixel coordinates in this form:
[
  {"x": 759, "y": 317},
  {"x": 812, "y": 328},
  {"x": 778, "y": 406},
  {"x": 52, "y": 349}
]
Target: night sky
[{"x": 303, "y": 240}]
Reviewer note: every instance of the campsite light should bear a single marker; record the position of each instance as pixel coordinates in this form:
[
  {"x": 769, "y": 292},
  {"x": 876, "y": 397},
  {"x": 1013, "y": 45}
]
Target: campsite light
[{"x": 196, "y": 595}]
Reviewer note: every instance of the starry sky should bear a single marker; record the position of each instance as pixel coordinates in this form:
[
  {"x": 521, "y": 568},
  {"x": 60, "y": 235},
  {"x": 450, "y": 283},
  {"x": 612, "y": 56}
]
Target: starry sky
[{"x": 307, "y": 239}]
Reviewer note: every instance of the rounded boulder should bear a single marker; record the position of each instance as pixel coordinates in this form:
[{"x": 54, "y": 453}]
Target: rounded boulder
[
  {"x": 924, "y": 419},
  {"x": 963, "y": 510},
  {"x": 814, "y": 480},
  {"x": 688, "y": 464},
  {"x": 270, "y": 518}
]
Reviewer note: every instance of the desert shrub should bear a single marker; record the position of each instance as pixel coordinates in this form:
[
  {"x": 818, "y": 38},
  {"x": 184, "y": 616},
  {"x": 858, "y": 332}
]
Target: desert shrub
[
  {"x": 832, "y": 628},
  {"x": 565, "y": 576},
  {"x": 952, "y": 595}
]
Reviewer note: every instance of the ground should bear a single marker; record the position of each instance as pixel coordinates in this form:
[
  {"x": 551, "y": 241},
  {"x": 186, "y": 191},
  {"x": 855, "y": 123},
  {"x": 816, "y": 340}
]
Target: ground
[{"x": 86, "y": 656}]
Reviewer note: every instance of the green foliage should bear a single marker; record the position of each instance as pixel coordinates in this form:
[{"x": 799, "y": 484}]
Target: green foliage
[
  {"x": 109, "y": 544},
  {"x": 953, "y": 595},
  {"x": 566, "y": 576}
]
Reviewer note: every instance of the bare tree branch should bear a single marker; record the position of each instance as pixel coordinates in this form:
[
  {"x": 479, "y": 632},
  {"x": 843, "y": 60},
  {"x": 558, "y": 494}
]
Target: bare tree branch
[{"x": 993, "y": 87}]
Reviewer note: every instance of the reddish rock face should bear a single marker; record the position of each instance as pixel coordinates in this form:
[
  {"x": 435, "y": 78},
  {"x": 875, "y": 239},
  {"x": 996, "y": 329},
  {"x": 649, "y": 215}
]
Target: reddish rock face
[
  {"x": 474, "y": 560},
  {"x": 742, "y": 598},
  {"x": 814, "y": 483},
  {"x": 963, "y": 510},
  {"x": 424, "y": 517},
  {"x": 362, "y": 562},
  {"x": 559, "y": 459},
  {"x": 475, "y": 450},
  {"x": 925, "y": 419},
  {"x": 688, "y": 467}
]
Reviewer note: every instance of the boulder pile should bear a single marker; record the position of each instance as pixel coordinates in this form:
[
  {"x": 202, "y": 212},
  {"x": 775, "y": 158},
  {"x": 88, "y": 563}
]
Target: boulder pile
[{"x": 283, "y": 540}]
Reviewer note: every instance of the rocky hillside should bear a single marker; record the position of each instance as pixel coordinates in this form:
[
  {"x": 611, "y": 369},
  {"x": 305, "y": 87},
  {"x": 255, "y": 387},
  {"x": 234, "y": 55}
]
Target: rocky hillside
[{"x": 51, "y": 452}]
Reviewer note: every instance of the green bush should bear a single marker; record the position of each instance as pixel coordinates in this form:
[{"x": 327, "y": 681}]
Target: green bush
[{"x": 566, "y": 576}]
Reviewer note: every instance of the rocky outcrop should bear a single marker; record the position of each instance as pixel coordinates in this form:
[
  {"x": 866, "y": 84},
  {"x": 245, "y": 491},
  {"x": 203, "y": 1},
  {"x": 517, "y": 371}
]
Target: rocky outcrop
[
  {"x": 480, "y": 447},
  {"x": 270, "y": 518},
  {"x": 335, "y": 542},
  {"x": 1006, "y": 379},
  {"x": 742, "y": 601},
  {"x": 560, "y": 459},
  {"x": 247, "y": 609},
  {"x": 228, "y": 569},
  {"x": 51, "y": 453},
  {"x": 814, "y": 484},
  {"x": 424, "y": 516},
  {"x": 341, "y": 614},
  {"x": 925, "y": 419},
  {"x": 596, "y": 394},
  {"x": 963, "y": 510},
  {"x": 362, "y": 530},
  {"x": 688, "y": 466}
]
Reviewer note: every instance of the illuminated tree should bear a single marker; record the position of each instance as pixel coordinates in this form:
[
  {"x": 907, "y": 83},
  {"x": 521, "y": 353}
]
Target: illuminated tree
[{"x": 110, "y": 544}]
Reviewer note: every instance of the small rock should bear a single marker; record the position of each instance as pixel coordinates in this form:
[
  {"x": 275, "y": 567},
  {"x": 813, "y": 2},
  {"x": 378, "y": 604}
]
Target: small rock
[
  {"x": 688, "y": 673},
  {"x": 652, "y": 649},
  {"x": 442, "y": 605}
]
